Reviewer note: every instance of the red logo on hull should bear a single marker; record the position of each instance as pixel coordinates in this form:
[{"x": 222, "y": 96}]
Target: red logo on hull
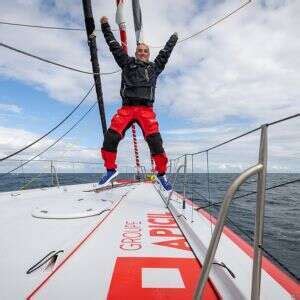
[
  {"x": 128, "y": 280},
  {"x": 164, "y": 226}
]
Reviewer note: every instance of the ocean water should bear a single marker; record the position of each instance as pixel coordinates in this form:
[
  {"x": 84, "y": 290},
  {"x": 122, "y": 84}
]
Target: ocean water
[
  {"x": 282, "y": 211},
  {"x": 282, "y": 215}
]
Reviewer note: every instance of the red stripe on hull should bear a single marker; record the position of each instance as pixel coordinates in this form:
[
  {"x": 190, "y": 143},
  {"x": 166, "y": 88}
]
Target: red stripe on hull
[
  {"x": 42, "y": 284},
  {"x": 288, "y": 283}
]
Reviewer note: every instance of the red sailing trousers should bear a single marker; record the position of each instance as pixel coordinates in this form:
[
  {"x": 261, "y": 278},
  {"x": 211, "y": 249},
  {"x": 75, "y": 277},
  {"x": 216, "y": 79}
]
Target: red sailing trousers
[{"x": 121, "y": 121}]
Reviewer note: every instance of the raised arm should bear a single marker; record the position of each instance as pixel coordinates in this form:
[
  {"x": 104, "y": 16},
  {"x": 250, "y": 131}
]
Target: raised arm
[
  {"x": 119, "y": 54},
  {"x": 164, "y": 54}
]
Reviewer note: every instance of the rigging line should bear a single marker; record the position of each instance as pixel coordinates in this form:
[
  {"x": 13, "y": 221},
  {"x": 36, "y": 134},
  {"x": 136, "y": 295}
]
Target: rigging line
[
  {"x": 82, "y": 29},
  {"x": 269, "y": 188},
  {"x": 60, "y": 161},
  {"x": 284, "y": 119},
  {"x": 53, "y": 144},
  {"x": 24, "y": 180},
  {"x": 223, "y": 143},
  {"x": 240, "y": 136},
  {"x": 262, "y": 248},
  {"x": 209, "y": 26},
  {"x": 24, "y": 186},
  {"x": 252, "y": 193},
  {"x": 248, "y": 236},
  {"x": 54, "y": 63},
  {"x": 47, "y": 27},
  {"x": 54, "y": 128},
  {"x": 175, "y": 169},
  {"x": 231, "y": 140},
  {"x": 216, "y": 22},
  {"x": 199, "y": 194}
]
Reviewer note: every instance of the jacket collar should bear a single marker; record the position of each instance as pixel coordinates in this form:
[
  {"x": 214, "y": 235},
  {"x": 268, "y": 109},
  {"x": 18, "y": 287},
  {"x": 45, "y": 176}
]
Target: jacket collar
[{"x": 142, "y": 63}]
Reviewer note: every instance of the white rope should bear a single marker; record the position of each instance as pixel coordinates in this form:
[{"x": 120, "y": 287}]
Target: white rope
[
  {"x": 209, "y": 26},
  {"x": 54, "y": 63},
  {"x": 47, "y": 27}
]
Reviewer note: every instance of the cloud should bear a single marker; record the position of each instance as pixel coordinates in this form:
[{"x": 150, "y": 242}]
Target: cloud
[
  {"x": 239, "y": 154},
  {"x": 69, "y": 48},
  {"x": 12, "y": 139},
  {"x": 241, "y": 73},
  {"x": 68, "y": 156},
  {"x": 246, "y": 66},
  {"x": 235, "y": 156},
  {"x": 12, "y": 108}
]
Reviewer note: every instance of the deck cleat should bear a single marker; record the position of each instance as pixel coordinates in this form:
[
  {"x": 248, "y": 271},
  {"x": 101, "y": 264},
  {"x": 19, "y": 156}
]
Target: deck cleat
[
  {"x": 107, "y": 178},
  {"x": 164, "y": 183}
]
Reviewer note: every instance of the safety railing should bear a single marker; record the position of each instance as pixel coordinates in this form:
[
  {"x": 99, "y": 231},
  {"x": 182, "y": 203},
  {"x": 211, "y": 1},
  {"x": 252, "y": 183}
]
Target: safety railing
[
  {"x": 259, "y": 169},
  {"x": 174, "y": 183},
  {"x": 54, "y": 173},
  {"x": 44, "y": 173}
]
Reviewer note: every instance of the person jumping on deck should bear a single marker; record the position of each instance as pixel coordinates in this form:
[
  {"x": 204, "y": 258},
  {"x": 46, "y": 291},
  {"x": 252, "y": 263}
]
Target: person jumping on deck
[{"x": 138, "y": 84}]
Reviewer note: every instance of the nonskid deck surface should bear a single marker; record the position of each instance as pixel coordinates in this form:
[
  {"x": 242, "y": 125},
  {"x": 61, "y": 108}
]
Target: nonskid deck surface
[
  {"x": 136, "y": 252},
  {"x": 26, "y": 239},
  {"x": 133, "y": 249}
]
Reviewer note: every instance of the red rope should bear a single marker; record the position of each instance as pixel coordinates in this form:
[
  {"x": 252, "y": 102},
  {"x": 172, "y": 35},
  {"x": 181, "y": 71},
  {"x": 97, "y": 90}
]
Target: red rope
[
  {"x": 123, "y": 37},
  {"x": 136, "y": 150}
]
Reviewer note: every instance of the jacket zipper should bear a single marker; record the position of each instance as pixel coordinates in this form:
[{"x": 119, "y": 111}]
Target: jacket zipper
[
  {"x": 147, "y": 75},
  {"x": 123, "y": 90}
]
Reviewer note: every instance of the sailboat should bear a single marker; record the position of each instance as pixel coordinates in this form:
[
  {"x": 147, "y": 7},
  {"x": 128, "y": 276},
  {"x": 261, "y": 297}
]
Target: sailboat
[{"x": 133, "y": 240}]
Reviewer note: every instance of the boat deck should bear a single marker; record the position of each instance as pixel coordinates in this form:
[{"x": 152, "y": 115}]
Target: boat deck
[{"x": 121, "y": 243}]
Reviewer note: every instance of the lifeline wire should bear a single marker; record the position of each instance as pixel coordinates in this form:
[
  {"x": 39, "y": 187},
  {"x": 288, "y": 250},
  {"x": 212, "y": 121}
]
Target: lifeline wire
[
  {"x": 247, "y": 235},
  {"x": 251, "y": 193},
  {"x": 46, "y": 134},
  {"x": 53, "y": 144},
  {"x": 47, "y": 27},
  {"x": 241, "y": 135},
  {"x": 263, "y": 249},
  {"x": 53, "y": 62},
  {"x": 63, "y": 161}
]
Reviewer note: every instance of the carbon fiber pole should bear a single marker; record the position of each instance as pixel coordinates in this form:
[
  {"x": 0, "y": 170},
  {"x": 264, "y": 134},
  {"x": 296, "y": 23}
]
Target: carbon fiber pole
[
  {"x": 90, "y": 29},
  {"x": 138, "y": 20}
]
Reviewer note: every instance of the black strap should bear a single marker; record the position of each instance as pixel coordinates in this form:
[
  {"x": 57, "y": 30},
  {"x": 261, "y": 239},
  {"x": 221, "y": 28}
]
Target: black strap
[{"x": 137, "y": 102}]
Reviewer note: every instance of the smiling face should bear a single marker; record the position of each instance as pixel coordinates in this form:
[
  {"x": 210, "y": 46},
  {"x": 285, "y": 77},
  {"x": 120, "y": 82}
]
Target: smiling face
[{"x": 142, "y": 52}]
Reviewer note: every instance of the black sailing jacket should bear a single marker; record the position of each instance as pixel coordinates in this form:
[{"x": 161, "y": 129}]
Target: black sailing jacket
[{"x": 138, "y": 78}]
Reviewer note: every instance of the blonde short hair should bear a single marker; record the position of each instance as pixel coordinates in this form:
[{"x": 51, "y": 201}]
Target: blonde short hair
[{"x": 144, "y": 44}]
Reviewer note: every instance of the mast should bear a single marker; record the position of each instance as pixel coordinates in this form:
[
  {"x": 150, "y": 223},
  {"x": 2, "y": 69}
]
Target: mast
[
  {"x": 90, "y": 30},
  {"x": 138, "y": 21},
  {"x": 138, "y": 27},
  {"x": 120, "y": 20}
]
